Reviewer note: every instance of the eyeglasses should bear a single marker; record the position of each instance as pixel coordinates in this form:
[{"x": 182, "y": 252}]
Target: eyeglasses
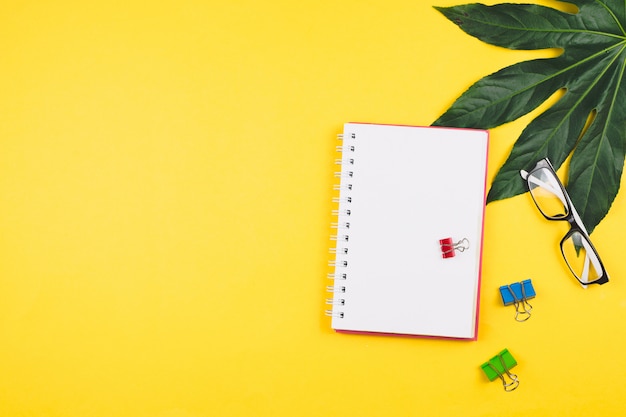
[{"x": 554, "y": 203}]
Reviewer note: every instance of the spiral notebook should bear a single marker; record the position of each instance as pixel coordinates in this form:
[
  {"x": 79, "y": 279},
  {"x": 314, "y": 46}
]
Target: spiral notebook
[{"x": 410, "y": 213}]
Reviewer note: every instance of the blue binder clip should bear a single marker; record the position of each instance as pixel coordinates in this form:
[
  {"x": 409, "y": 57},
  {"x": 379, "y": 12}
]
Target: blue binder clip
[{"x": 518, "y": 294}]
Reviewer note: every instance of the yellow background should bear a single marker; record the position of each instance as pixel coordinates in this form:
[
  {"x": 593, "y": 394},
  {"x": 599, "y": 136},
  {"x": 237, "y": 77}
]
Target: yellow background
[{"x": 165, "y": 200}]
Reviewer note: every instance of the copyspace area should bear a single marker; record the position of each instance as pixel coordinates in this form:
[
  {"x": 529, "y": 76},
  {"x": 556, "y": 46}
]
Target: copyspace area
[{"x": 166, "y": 174}]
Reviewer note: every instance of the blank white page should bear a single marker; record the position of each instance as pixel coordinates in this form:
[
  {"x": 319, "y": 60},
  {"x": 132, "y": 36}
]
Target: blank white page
[{"x": 402, "y": 190}]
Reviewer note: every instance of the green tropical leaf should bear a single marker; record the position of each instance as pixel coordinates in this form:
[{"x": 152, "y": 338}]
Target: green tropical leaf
[{"x": 588, "y": 121}]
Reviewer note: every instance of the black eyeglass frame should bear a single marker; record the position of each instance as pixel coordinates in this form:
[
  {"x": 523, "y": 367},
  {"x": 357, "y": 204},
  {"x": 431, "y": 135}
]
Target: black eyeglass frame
[{"x": 571, "y": 217}]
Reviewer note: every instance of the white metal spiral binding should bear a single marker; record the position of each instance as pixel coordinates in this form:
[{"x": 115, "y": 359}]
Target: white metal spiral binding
[
  {"x": 344, "y": 174},
  {"x": 342, "y": 238},
  {"x": 346, "y": 199},
  {"x": 343, "y": 212},
  {"x": 336, "y": 276},
  {"x": 336, "y": 314},
  {"x": 334, "y": 289},
  {"x": 345, "y": 187},
  {"x": 336, "y": 301}
]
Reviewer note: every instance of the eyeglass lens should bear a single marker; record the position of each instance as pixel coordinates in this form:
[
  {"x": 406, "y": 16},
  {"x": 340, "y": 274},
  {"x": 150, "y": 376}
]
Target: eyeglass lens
[
  {"x": 581, "y": 258},
  {"x": 547, "y": 193}
]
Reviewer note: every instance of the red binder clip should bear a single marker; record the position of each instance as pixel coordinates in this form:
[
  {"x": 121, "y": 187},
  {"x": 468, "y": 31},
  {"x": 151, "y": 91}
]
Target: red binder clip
[{"x": 448, "y": 246}]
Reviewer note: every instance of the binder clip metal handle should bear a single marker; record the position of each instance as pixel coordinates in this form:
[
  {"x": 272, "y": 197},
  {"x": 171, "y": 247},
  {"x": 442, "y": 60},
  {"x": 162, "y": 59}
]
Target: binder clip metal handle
[
  {"x": 508, "y": 386},
  {"x": 518, "y": 294},
  {"x": 449, "y": 247},
  {"x": 499, "y": 366}
]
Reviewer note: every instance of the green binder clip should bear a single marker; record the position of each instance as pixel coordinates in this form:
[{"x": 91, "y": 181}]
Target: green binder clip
[{"x": 499, "y": 366}]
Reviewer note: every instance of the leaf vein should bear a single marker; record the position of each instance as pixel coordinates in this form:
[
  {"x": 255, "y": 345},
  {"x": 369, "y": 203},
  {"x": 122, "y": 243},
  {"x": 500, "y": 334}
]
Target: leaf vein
[
  {"x": 552, "y": 76},
  {"x": 553, "y": 30},
  {"x": 577, "y": 103},
  {"x": 619, "y": 24}
]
